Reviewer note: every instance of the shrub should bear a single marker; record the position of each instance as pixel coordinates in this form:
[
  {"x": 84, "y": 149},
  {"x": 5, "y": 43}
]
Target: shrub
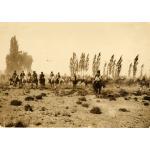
[
  {"x": 82, "y": 98},
  {"x": 29, "y": 98},
  {"x": 28, "y": 108},
  {"x": 16, "y": 103},
  {"x": 95, "y": 110}
]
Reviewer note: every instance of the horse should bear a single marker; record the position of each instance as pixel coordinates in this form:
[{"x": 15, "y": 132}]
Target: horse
[
  {"x": 22, "y": 82},
  {"x": 42, "y": 81},
  {"x": 34, "y": 80},
  {"x": 52, "y": 81},
  {"x": 97, "y": 86},
  {"x": 14, "y": 81}
]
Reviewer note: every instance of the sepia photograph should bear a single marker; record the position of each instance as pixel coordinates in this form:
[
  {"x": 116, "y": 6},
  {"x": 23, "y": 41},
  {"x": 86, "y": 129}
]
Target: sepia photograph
[{"x": 75, "y": 75}]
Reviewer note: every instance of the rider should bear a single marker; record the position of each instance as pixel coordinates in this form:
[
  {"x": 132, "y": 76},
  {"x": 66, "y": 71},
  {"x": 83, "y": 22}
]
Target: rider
[
  {"x": 29, "y": 77},
  {"x": 58, "y": 75},
  {"x": 34, "y": 75},
  {"x": 29, "y": 74},
  {"x": 22, "y": 75},
  {"x": 42, "y": 79},
  {"x": 14, "y": 75},
  {"x": 51, "y": 74},
  {"x": 98, "y": 76}
]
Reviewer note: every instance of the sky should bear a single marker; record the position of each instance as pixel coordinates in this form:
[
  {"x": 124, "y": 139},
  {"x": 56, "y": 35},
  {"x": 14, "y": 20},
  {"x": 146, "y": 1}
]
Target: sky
[{"x": 52, "y": 44}]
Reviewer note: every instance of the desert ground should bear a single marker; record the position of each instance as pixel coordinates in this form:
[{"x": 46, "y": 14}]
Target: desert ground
[{"x": 116, "y": 107}]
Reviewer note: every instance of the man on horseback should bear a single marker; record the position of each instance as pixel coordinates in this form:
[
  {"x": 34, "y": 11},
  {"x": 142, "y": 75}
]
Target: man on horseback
[
  {"x": 42, "y": 79},
  {"x": 34, "y": 78},
  {"x": 58, "y": 78},
  {"x": 14, "y": 79},
  {"x": 29, "y": 76},
  {"x": 97, "y": 84},
  {"x": 22, "y": 78},
  {"x": 74, "y": 81},
  {"x": 52, "y": 79}
]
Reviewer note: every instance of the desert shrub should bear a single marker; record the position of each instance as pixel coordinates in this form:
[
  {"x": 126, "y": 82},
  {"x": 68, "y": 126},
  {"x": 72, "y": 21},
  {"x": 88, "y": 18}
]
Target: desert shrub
[
  {"x": 85, "y": 105},
  {"x": 146, "y": 104},
  {"x": 28, "y": 108},
  {"x": 18, "y": 124},
  {"x": 66, "y": 114},
  {"x": 39, "y": 96},
  {"x": 43, "y": 109},
  {"x": 95, "y": 110},
  {"x": 67, "y": 107},
  {"x": 44, "y": 94},
  {"x": 112, "y": 97},
  {"x": 79, "y": 102},
  {"x": 137, "y": 93},
  {"x": 38, "y": 123},
  {"x": 29, "y": 98},
  {"x": 9, "y": 124},
  {"x": 83, "y": 98},
  {"x": 123, "y": 110},
  {"x": 15, "y": 103},
  {"x": 146, "y": 98},
  {"x": 123, "y": 93}
]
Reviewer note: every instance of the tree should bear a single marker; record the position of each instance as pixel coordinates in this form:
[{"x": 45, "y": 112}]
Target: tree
[
  {"x": 96, "y": 63},
  {"x": 130, "y": 69},
  {"x": 110, "y": 65},
  {"x": 87, "y": 63},
  {"x": 113, "y": 69},
  {"x": 118, "y": 67},
  {"x": 93, "y": 65},
  {"x": 141, "y": 72},
  {"x": 135, "y": 66},
  {"x": 73, "y": 64},
  {"x": 17, "y": 60}
]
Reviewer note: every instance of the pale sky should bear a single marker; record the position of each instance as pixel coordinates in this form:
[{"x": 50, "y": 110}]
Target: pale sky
[{"x": 56, "y": 42}]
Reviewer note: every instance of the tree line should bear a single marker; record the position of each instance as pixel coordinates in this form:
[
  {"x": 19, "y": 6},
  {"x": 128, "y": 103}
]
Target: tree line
[{"x": 111, "y": 69}]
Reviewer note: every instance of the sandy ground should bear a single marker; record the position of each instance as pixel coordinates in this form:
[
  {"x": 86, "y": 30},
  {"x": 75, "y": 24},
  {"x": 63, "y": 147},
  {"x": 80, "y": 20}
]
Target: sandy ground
[{"x": 67, "y": 108}]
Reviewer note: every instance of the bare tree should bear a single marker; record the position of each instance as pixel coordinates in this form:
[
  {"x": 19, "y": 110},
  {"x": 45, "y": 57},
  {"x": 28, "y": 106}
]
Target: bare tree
[
  {"x": 73, "y": 64},
  {"x": 110, "y": 65},
  {"x": 87, "y": 63},
  {"x": 129, "y": 71},
  {"x": 141, "y": 72},
  {"x": 135, "y": 66},
  {"x": 94, "y": 65},
  {"x": 113, "y": 69},
  {"x": 118, "y": 67}
]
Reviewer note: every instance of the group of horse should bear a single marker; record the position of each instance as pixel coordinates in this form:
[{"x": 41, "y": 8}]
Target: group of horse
[
  {"x": 54, "y": 82},
  {"x": 33, "y": 81}
]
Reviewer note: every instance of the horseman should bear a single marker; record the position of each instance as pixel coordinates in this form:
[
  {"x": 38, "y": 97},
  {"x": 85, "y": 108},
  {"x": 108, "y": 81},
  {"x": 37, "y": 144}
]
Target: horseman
[
  {"x": 29, "y": 78},
  {"x": 52, "y": 79},
  {"x": 22, "y": 78},
  {"x": 14, "y": 75},
  {"x": 42, "y": 79},
  {"x": 51, "y": 74},
  {"x": 58, "y": 77},
  {"x": 14, "y": 79},
  {"x": 98, "y": 76},
  {"x": 74, "y": 81},
  {"x": 35, "y": 78},
  {"x": 97, "y": 84}
]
